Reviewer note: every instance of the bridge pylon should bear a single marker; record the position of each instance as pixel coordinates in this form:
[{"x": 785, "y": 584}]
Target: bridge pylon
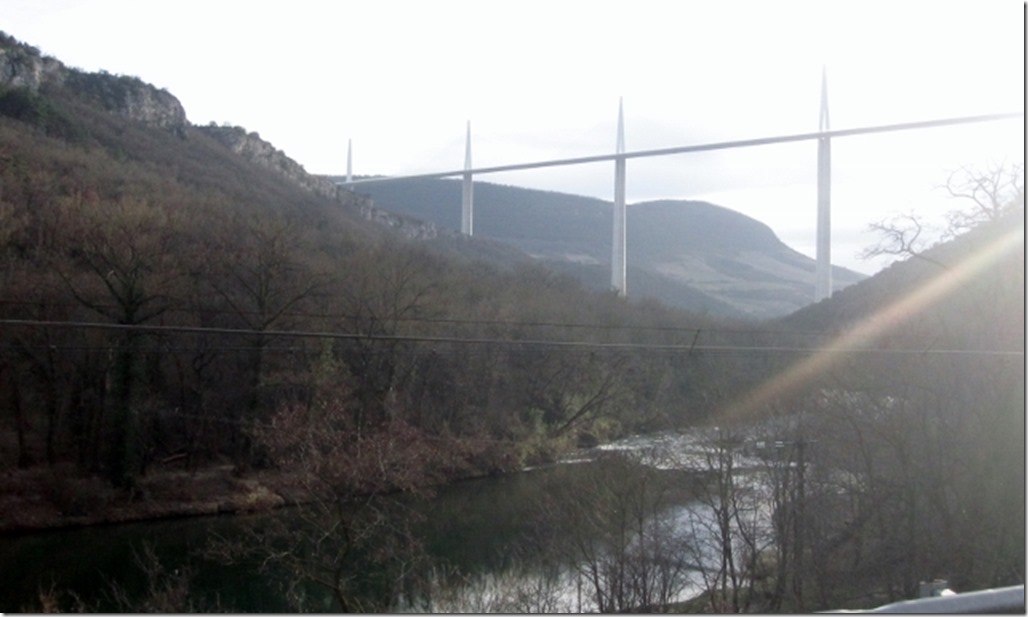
[
  {"x": 619, "y": 258},
  {"x": 823, "y": 271},
  {"x": 467, "y": 202}
]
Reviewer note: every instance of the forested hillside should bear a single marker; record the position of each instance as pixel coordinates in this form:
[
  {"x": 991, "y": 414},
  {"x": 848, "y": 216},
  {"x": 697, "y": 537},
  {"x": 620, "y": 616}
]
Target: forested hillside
[
  {"x": 916, "y": 412},
  {"x": 163, "y": 296}
]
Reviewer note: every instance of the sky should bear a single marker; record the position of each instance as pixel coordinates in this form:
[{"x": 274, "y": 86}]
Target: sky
[{"x": 401, "y": 80}]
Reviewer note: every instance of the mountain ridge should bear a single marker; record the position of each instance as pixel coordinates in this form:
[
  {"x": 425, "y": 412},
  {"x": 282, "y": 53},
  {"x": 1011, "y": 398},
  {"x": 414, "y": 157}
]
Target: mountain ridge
[
  {"x": 731, "y": 265},
  {"x": 27, "y": 75},
  {"x": 686, "y": 253}
]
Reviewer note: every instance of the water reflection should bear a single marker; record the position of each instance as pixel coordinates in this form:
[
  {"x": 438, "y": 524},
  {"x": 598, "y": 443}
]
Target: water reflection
[
  {"x": 602, "y": 536},
  {"x": 553, "y": 539}
]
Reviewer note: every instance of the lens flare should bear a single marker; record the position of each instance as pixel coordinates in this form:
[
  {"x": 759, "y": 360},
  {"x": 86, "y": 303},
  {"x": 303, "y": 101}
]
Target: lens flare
[{"x": 872, "y": 327}]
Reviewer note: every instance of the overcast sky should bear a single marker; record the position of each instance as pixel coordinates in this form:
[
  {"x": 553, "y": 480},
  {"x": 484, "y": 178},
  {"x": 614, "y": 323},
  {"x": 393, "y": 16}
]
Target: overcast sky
[{"x": 542, "y": 80}]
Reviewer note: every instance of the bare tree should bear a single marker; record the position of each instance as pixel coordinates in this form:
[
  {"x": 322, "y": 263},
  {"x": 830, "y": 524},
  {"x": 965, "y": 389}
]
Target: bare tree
[
  {"x": 992, "y": 193},
  {"x": 617, "y": 530},
  {"x": 988, "y": 194},
  {"x": 350, "y": 534},
  {"x": 730, "y": 523},
  {"x": 381, "y": 293},
  {"x": 261, "y": 269},
  {"x": 902, "y": 236},
  {"x": 122, "y": 262}
]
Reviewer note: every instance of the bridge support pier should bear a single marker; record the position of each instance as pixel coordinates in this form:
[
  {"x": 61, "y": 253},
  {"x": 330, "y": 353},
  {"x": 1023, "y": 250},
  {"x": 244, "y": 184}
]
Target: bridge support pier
[
  {"x": 467, "y": 204},
  {"x": 618, "y": 261},
  {"x": 823, "y": 273},
  {"x": 349, "y": 163}
]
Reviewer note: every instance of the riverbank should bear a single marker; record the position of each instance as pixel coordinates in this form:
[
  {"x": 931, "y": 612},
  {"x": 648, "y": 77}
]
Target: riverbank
[
  {"x": 61, "y": 496},
  {"x": 43, "y": 498}
]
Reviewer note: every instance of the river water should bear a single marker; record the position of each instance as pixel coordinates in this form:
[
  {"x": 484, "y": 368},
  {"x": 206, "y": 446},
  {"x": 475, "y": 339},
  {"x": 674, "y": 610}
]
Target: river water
[{"x": 483, "y": 529}]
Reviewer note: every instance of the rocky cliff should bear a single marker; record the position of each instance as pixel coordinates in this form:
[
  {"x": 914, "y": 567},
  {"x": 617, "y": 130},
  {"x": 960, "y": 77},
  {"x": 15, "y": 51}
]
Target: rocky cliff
[
  {"x": 251, "y": 147},
  {"x": 23, "y": 66},
  {"x": 131, "y": 98}
]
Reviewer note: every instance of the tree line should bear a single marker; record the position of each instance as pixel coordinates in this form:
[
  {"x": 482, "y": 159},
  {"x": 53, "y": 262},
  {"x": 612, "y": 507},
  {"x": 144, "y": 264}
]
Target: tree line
[{"x": 118, "y": 231}]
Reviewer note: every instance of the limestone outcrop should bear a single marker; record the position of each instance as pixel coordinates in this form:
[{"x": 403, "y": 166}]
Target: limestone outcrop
[{"x": 23, "y": 66}]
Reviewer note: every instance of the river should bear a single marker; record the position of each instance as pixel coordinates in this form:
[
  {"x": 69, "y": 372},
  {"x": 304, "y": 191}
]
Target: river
[{"x": 488, "y": 530}]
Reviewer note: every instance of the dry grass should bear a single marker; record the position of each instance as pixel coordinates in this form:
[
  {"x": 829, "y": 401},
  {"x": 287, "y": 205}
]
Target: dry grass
[{"x": 42, "y": 497}]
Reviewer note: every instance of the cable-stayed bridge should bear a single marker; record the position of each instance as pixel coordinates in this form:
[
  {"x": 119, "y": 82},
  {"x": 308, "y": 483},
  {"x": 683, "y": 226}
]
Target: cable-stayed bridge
[{"x": 822, "y": 284}]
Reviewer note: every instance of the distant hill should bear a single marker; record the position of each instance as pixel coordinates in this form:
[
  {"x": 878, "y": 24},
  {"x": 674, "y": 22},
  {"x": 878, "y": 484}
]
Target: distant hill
[
  {"x": 690, "y": 254},
  {"x": 965, "y": 293}
]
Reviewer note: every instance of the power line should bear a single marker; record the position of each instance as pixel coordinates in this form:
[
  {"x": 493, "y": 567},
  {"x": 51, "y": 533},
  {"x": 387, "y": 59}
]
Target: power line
[
  {"x": 691, "y": 347},
  {"x": 457, "y": 321}
]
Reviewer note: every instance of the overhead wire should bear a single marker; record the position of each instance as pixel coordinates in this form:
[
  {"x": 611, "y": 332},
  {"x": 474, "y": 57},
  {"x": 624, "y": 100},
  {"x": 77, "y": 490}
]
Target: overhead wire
[
  {"x": 691, "y": 347},
  {"x": 459, "y": 321}
]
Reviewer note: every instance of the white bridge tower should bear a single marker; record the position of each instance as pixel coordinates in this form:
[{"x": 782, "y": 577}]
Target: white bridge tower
[
  {"x": 467, "y": 202},
  {"x": 619, "y": 258},
  {"x": 823, "y": 273}
]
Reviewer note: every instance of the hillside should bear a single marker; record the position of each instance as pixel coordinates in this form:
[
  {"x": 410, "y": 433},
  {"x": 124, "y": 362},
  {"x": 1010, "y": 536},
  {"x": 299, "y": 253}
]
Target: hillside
[
  {"x": 970, "y": 294},
  {"x": 167, "y": 289},
  {"x": 689, "y": 254}
]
